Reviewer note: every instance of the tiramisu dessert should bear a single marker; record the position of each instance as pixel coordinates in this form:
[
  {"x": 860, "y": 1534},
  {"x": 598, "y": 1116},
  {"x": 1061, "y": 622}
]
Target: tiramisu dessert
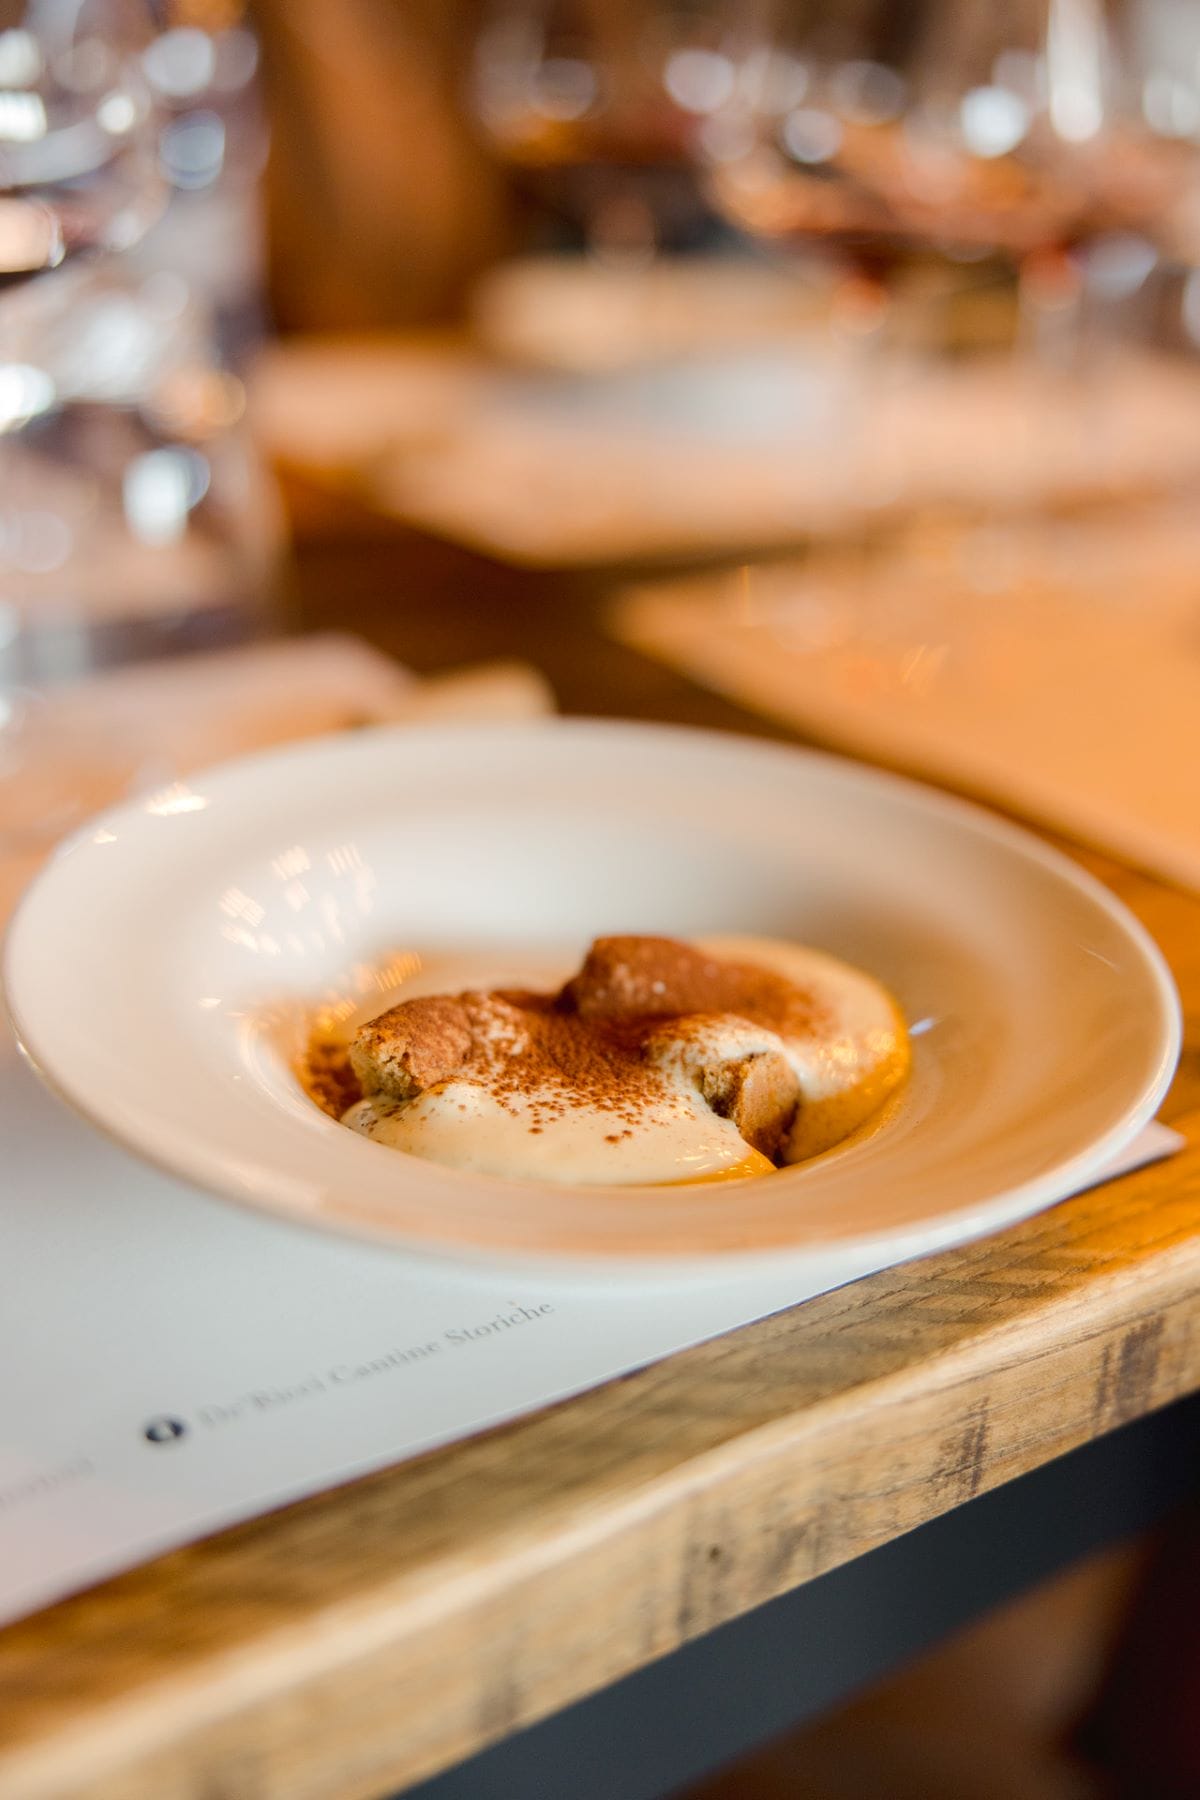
[{"x": 660, "y": 1061}]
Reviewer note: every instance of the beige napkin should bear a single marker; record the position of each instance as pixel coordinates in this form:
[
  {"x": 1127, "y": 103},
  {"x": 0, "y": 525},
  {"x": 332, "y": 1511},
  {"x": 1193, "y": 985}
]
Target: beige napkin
[
  {"x": 194, "y": 710},
  {"x": 89, "y": 744}
]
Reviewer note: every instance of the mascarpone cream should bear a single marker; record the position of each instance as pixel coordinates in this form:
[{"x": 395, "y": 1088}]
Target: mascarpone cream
[{"x": 659, "y": 1062}]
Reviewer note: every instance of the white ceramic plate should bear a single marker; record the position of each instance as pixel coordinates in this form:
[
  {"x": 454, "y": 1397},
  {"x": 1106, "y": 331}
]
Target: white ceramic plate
[{"x": 160, "y": 970}]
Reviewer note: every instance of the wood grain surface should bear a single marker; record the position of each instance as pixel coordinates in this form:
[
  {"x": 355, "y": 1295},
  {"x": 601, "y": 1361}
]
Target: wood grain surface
[{"x": 351, "y": 1644}]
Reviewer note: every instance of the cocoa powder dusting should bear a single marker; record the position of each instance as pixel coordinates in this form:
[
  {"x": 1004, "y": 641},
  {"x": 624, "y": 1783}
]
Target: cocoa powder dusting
[
  {"x": 413, "y": 1046},
  {"x": 653, "y": 977},
  {"x": 544, "y": 1054},
  {"x": 325, "y": 1074}
]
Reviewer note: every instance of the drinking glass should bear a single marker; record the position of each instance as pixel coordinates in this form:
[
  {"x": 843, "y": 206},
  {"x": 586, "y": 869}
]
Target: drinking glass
[
  {"x": 592, "y": 104},
  {"x": 78, "y": 171},
  {"x": 134, "y": 515},
  {"x": 1027, "y": 134}
]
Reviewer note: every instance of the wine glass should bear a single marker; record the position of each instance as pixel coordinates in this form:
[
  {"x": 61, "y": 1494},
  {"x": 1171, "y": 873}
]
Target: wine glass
[
  {"x": 1040, "y": 159},
  {"x": 589, "y": 103},
  {"x": 1024, "y": 134}
]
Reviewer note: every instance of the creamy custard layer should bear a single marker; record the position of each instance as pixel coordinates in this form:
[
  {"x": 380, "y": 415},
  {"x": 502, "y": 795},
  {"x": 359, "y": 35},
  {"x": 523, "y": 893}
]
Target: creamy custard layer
[
  {"x": 853, "y": 1056},
  {"x": 678, "y": 1138}
]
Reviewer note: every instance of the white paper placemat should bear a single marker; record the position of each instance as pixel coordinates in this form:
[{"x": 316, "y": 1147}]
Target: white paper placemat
[{"x": 177, "y": 1364}]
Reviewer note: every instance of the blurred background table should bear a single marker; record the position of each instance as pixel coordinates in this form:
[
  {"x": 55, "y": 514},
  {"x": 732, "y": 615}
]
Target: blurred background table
[{"x": 433, "y": 605}]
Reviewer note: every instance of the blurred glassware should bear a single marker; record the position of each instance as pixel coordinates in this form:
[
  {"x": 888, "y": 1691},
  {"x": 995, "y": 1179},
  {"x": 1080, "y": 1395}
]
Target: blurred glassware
[
  {"x": 1055, "y": 136},
  {"x": 211, "y": 148},
  {"x": 78, "y": 171},
  {"x": 593, "y": 104},
  {"x": 135, "y": 517}
]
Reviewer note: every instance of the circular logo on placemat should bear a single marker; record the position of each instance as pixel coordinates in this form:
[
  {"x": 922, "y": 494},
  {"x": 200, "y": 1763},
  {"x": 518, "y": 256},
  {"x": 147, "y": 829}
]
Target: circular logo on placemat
[{"x": 164, "y": 1429}]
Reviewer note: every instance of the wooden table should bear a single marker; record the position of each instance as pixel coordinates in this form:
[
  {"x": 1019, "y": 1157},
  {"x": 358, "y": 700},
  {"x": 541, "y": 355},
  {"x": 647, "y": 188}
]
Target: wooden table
[{"x": 356, "y": 1643}]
